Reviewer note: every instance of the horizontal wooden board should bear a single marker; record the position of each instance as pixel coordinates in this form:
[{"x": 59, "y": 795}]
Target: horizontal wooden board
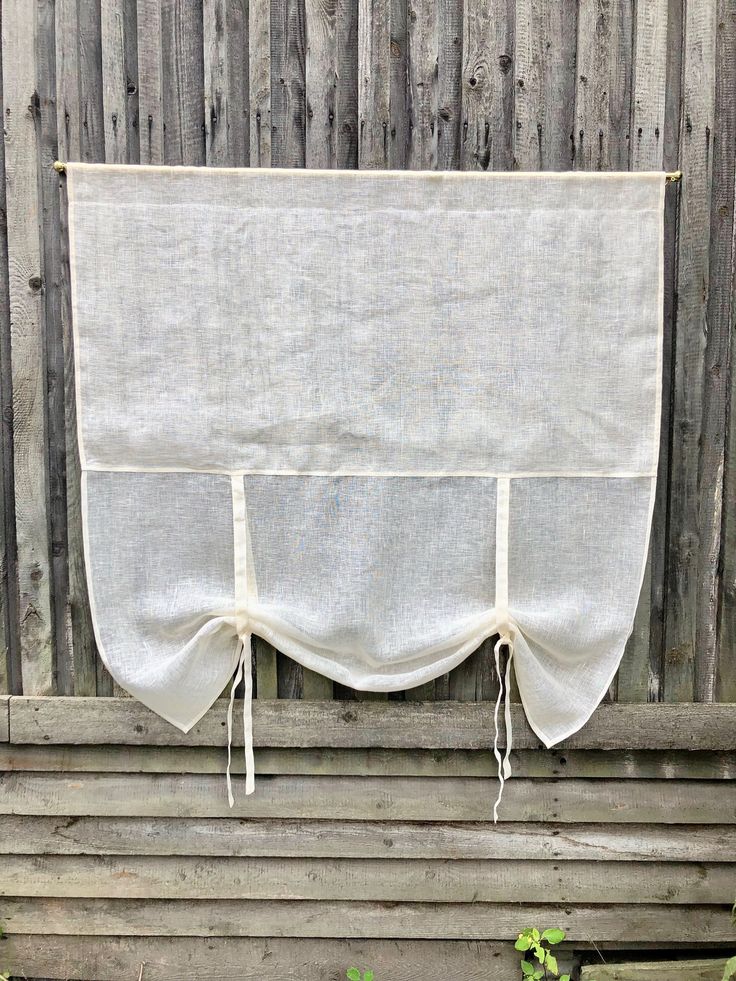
[
  {"x": 409, "y": 725},
  {"x": 244, "y": 959},
  {"x": 639, "y": 764},
  {"x": 476, "y": 921},
  {"x": 389, "y": 880},
  {"x": 369, "y": 798},
  {"x": 20, "y": 834},
  {"x": 700, "y": 970}
]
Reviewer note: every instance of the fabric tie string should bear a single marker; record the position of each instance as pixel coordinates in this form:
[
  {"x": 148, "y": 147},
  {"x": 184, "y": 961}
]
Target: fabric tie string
[
  {"x": 504, "y": 686},
  {"x": 242, "y": 672}
]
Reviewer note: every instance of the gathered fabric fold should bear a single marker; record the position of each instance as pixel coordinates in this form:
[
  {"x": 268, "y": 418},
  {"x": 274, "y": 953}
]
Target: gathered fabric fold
[{"x": 243, "y": 671}]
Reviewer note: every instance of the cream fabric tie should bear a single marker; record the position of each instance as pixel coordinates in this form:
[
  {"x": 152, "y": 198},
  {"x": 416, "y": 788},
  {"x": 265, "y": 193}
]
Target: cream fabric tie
[
  {"x": 243, "y": 671},
  {"x": 504, "y": 685}
]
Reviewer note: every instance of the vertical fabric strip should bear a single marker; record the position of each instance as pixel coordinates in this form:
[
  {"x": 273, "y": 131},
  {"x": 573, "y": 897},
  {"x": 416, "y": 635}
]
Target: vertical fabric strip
[
  {"x": 240, "y": 579},
  {"x": 503, "y": 493},
  {"x": 240, "y": 552}
]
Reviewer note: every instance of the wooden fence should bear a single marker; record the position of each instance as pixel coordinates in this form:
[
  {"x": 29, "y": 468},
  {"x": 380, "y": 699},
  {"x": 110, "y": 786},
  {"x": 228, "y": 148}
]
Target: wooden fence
[
  {"x": 494, "y": 84},
  {"x": 369, "y": 839}
]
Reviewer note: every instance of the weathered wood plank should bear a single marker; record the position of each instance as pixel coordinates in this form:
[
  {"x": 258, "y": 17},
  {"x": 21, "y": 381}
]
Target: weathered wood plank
[
  {"x": 120, "y": 80},
  {"x": 399, "y": 725},
  {"x": 691, "y": 329},
  {"x": 449, "y": 84},
  {"x": 267, "y": 680},
  {"x": 701, "y": 970},
  {"x": 259, "y": 82},
  {"x": 451, "y": 921},
  {"x": 645, "y": 764},
  {"x": 151, "y": 83},
  {"x": 422, "y": 84},
  {"x": 374, "y": 83},
  {"x": 78, "y": 654},
  {"x": 488, "y": 85},
  {"x": 639, "y": 675},
  {"x": 272, "y": 959},
  {"x": 29, "y": 384},
  {"x": 719, "y": 318},
  {"x": 232, "y": 837},
  {"x": 226, "y": 77},
  {"x": 331, "y": 86},
  {"x": 10, "y": 675},
  {"x": 288, "y": 87},
  {"x": 546, "y": 33},
  {"x": 387, "y": 880},
  {"x": 603, "y": 85},
  {"x": 50, "y": 233},
  {"x": 369, "y": 798},
  {"x": 183, "y": 75}
]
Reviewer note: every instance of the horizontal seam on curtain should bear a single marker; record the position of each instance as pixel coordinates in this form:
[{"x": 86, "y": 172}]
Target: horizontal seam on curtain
[{"x": 492, "y": 474}]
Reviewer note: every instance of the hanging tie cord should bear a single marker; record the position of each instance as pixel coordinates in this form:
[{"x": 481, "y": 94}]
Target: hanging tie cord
[
  {"x": 243, "y": 671},
  {"x": 504, "y": 686}
]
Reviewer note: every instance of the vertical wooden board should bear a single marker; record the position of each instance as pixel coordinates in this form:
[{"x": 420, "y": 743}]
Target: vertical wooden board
[
  {"x": 226, "y": 77},
  {"x": 51, "y": 248},
  {"x": 183, "y": 89},
  {"x": 546, "y": 33},
  {"x": 259, "y": 86},
  {"x": 150, "y": 86},
  {"x": 321, "y": 80},
  {"x": 25, "y": 272},
  {"x": 267, "y": 685},
  {"x": 449, "y": 84},
  {"x": 331, "y": 83},
  {"x": 92, "y": 131},
  {"x": 487, "y": 85},
  {"x": 603, "y": 84},
  {"x": 649, "y": 85},
  {"x": 9, "y": 664},
  {"x": 637, "y": 681},
  {"x": 288, "y": 83},
  {"x": 474, "y": 679},
  {"x": 398, "y": 102},
  {"x": 120, "y": 80},
  {"x": 718, "y": 360},
  {"x": 696, "y": 156},
  {"x": 422, "y": 77},
  {"x": 72, "y": 128},
  {"x": 374, "y": 83}
]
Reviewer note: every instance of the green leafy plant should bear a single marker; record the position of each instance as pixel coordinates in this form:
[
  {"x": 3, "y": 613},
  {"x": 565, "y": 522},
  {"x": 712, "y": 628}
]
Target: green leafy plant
[
  {"x": 355, "y": 975},
  {"x": 541, "y": 964},
  {"x": 729, "y": 971}
]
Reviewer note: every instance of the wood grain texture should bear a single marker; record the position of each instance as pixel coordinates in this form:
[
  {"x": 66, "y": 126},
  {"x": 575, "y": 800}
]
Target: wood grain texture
[
  {"x": 288, "y": 92},
  {"x": 79, "y": 654},
  {"x": 375, "y": 51},
  {"x": 718, "y": 353},
  {"x": 409, "y": 921},
  {"x": 603, "y": 69},
  {"x": 259, "y": 81},
  {"x": 120, "y": 80},
  {"x": 28, "y": 363},
  {"x": 368, "y": 798},
  {"x": 386, "y": 880},
  {"x": 640, "y": 765},
  {"x": 696, "y": 160},
  {"x": 330, "y": 839},
  {"x": 270, "y": 959},
  {"x": 487, "y": 85},
  {"x": 151, "y": 81},
  {"x": 10, "y": 671},
  {"x": 427, "y": 725},
  {"x": 226, "y": 79},
  {"x": 546, "y": 32},
  {"x": 183, "y": 73},
  {"x": 710, "y": 969}
]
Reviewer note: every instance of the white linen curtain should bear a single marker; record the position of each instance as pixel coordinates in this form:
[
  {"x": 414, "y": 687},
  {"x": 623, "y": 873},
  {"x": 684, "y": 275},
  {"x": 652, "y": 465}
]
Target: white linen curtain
[{"x": 373, "y": 417}]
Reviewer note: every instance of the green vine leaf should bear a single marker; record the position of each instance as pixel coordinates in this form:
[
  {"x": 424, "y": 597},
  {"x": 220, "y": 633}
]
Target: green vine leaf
[
  {"x": 353, "y": 974},
  {"x": 527, "y": 969},
  {"x": 554, "y": 936}
]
